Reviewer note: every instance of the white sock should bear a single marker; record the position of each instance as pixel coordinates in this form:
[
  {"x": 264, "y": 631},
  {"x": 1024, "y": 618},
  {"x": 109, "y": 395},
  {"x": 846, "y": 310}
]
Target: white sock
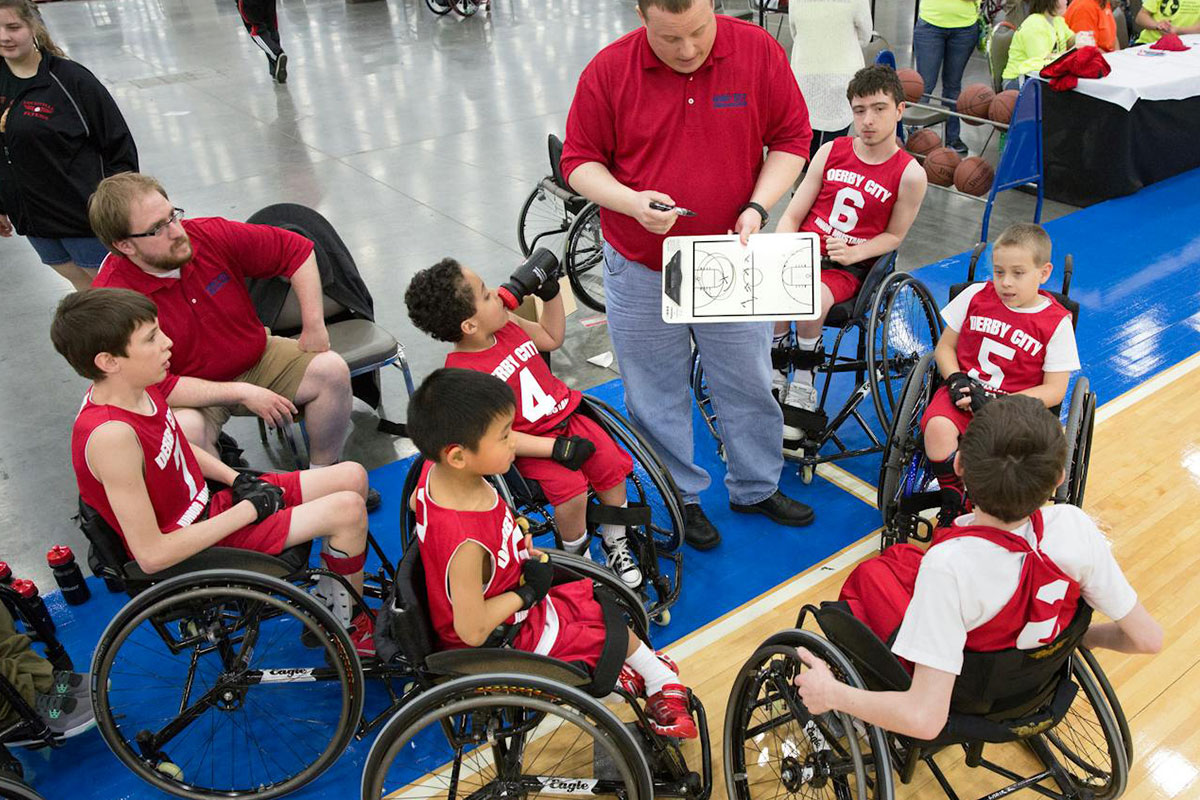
[
  {"x": 804, "y": 343},
  {"x": 779, "y": 338},
  {"x": 575, "y": 546},
  {"x": 656, "y": 674},
  {"x": 613, "y": 533}
]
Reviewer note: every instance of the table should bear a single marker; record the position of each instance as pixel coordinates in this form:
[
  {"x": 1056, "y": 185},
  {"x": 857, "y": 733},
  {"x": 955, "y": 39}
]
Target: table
[{"x": 1140, "y": 124}]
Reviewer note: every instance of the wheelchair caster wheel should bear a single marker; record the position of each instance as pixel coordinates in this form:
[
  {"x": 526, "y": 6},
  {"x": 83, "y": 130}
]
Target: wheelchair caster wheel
[
  {"x": 662, "y": 618},
  {"x": 172, "y": 771},
  {"x": 807, "y": 471}
]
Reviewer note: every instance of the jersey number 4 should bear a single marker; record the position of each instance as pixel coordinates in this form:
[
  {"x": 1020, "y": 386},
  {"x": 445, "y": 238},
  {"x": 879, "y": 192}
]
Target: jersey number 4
[{"x": 535, "y": 403}]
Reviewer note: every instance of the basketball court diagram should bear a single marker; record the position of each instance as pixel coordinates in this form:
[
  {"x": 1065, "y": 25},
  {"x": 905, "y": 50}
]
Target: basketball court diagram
[{"x": 716, "y": 279}]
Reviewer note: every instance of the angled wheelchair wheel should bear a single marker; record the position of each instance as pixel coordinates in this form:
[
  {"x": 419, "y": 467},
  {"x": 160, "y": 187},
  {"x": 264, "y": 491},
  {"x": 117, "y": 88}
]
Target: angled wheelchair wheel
[
  {"x": 439, "y": 7},
  {"x": 466, "y": 8},
  {"x": 773, "y": 746},
  {"x": 904, "y": 471},
  {"x": 1086, "y": 747},
  {"x": 704, "y": 402},
  {"x": 584, "y": 258},
  {"x": 202, "y": 686},
  {"x": 1081, "y": 419},
  {"x": 408, "y": 520},
  {"x": 904, "y": 325},
  {"x": 13, "y": 789},
  {"x": 505, "y": 735},
  {"x": 544, "y": 221}
]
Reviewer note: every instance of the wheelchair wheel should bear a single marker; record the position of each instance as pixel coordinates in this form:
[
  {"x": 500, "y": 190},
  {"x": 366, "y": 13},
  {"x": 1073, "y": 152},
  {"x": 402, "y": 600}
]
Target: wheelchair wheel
[
  {"x": 505, "y": 736},
  {"x": 1087, "y": 745},
  {"x": 704, "y": 402},
  {"x": 408, "y": 520},
  {"x": 774, "y": 747},
  {"x": 13, "y": 789},
  {"x": 439, "y": 7},
  {"x": 465, "y": 8},
  {"x": 1081, "y": 419},
  {"x": 904, "y": 470},
  {"x": 904, "y": 325},
  {"x": 202, "y": 687},
  {"x": 584, "y": 258},
  {"x": 543, "y": 222}
]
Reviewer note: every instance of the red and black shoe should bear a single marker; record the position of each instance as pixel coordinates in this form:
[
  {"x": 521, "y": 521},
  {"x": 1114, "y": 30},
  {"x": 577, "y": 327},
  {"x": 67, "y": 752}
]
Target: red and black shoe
[
  {"x": 669, "y": 714},
  {"x": 634, "y": 684},
  {"x": 362, "y": 635}
]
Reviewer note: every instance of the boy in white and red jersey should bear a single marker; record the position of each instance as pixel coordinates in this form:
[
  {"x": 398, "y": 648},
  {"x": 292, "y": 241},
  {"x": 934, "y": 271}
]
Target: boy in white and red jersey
[
  {"x": 1005, "y": 336},
  {"x": 482, "y": 574},
  {"x": 1010, "y": 575},
  {"x": 860, "y": 195},
  {"x": 135, "y": 467},
  {"x": 563, "y": 451}
]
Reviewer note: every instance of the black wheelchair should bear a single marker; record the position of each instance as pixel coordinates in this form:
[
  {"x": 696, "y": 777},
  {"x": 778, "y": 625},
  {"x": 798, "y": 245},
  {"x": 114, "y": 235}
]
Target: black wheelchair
[
  {"x": 894, "y": 320},
  {"x": 229, "y": 648},
  {"x": 653, "y": 518},
  {"x": 1055, "y": 700},
  {"x": 505, "y": 723},
  {"x": 568, "y": 225},
  {"x": 907, "y": 486}
]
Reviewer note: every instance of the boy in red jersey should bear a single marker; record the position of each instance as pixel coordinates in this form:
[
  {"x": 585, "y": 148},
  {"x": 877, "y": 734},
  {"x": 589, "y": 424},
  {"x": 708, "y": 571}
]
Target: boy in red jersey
[
  {"x": 563, "y": 451},
  {"x": 137, "y": 470},
  {"x": 481, "y": 572},
  {"x": 1010, "y": 575},
  {"x": 860, "y": 195},
  {"x": 1005, "y": 336}
]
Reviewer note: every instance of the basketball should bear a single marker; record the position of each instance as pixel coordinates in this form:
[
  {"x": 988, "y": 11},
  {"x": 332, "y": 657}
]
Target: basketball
[
  {"x": 1002, "y": 105},
  {"x": 974, "y": 176},
  {"x": 975, "y": 101},
  {"x": 913, "y": 83},
  {"x": 922, "y": 141},
  {"x": 940, "y": 164}
]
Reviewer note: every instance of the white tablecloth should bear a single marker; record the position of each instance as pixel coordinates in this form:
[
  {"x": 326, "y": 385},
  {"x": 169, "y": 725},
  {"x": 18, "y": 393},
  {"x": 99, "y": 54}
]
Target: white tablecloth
[{"x": 1139, "y": 73}]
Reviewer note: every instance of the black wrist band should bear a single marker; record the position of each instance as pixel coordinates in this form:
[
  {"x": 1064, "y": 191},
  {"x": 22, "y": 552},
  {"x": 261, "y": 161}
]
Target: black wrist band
[{"x": 762, "y": 212}]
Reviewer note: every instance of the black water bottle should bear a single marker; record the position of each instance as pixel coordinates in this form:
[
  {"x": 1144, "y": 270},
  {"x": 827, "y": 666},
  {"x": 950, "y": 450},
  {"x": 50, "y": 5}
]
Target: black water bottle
[
  {"x": 33, "y": 607},
  {"x": 67, "y": 575}
]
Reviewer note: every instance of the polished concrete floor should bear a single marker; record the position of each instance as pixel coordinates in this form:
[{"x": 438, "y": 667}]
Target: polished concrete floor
[{"x": 417, "y": 136}]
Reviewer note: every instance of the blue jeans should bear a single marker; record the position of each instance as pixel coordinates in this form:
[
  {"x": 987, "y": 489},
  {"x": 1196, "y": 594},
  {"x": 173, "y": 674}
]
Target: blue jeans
[
  {"x": 85, "y": 251},
  {"x": 946, "y": 50},
  {"x": 654, "y": 359}
]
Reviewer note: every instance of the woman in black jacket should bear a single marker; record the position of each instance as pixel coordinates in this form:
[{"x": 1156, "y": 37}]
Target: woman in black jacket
[{"x": 61, "y": 133}]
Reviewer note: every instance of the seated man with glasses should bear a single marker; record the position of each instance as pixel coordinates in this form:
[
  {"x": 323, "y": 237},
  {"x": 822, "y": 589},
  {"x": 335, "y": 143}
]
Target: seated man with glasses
[{"x": 224, "y": 361}]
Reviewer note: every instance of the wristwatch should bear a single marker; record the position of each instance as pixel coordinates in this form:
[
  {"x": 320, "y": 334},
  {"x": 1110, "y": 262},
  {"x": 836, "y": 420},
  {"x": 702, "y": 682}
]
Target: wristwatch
[{"x": 762, "y": 212}]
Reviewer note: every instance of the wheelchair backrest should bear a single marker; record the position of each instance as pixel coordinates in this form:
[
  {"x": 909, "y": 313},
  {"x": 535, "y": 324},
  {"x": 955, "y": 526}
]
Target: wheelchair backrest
[
  {"x": 107, "y": 552},
  {"x": 555, "y": 146},
  {"x": 404, "y": 618}
]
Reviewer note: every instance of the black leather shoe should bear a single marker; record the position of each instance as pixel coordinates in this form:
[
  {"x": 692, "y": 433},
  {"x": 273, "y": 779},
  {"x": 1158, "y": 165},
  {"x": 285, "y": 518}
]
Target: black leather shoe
[
  {"x": 698, "y": 531},
  {"x": 373, "y": 500},
  {"x": 779, "y": 508}
]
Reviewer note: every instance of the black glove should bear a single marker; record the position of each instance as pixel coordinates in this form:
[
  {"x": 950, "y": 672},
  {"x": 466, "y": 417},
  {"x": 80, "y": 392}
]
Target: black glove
[
  {"x": 956, "y": 384},
  {"x": 267, "y": 498},
  {"x": 572, "y": 451},
  {"x": 537, "y": 274},
  {"x": 536, "y": 577},
  {"x": 980, "y": 396}
]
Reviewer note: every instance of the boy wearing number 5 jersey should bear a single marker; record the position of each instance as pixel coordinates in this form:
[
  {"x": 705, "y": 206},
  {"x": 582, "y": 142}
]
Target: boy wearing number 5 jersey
[
  {"x": 860, "y": 196},
  {"x": 563, "y": 451},
  {"x": 1004, "y": 336}
]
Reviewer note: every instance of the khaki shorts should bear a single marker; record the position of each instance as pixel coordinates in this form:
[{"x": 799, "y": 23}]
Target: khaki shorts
[{"x": 281, "y": 369}]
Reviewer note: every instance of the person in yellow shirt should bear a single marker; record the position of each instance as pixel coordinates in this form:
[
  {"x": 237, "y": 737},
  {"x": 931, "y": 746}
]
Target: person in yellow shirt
[
  {"x": 946, "y": 34},
  {"x": 1042, "y": 37},
  {"x": 1167, "y": 16}
]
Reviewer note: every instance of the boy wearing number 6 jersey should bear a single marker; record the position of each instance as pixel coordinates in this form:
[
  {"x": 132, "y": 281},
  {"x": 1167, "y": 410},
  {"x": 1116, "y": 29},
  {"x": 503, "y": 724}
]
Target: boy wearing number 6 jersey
[
  {"x": 1004, "y": 336},
  {"x": 563, "y": 451}
]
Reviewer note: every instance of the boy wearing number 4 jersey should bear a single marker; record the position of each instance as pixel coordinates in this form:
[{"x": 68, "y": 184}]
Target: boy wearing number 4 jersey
[
  {"x": 1004, "y": 336},
  {"x": 860, "y": 196},
  {"x": 563, "y": 451}
]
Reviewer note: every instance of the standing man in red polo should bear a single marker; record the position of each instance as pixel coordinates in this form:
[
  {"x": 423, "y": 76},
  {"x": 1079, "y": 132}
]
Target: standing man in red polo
[
  {"x": 223, "y": 361},
  {"x": 678, "y": 113}
]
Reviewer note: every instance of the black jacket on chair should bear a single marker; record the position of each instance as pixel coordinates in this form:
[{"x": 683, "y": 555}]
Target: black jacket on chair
[{"x": 63, "y": 135}]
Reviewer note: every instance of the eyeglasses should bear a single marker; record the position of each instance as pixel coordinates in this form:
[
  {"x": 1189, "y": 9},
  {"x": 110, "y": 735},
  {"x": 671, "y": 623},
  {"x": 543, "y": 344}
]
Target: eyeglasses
[{"x": 176, "y": 215}]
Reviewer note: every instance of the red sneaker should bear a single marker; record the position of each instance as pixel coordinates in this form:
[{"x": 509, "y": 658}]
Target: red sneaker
[
  {"x": 668, "y": 712},
  {"x": 635, "y": 684},
  {"x": 362, "y": 634}
]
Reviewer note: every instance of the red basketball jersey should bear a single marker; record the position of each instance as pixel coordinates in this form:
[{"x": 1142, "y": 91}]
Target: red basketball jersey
[
  {"x": 173, "y": 478},
  {"x": 856, "y": 198},
  {"x": 1003, "y": 347},
  {"x": 1043, "y": 604},
  {"x": 543, "y": 401}
]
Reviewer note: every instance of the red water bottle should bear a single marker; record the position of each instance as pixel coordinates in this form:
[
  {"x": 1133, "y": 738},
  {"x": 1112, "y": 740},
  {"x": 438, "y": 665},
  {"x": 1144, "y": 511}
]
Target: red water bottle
[
  {"x": 67, "y": 575},
  {"x": 33, "y": 607},
  {"x": 6, "y": 577}
]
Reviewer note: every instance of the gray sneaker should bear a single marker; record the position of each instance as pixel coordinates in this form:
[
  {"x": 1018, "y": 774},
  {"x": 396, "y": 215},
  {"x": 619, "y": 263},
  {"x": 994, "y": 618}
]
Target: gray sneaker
[
  {"x": 64, "y": 715},
  {"x": 70, "y": 683}
]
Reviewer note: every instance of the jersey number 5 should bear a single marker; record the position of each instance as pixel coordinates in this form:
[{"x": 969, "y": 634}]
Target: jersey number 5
[
  {"x": 992, "y": 373},
  {"x": 535, "y": 403},
  {"x": 845, "y": 209}
]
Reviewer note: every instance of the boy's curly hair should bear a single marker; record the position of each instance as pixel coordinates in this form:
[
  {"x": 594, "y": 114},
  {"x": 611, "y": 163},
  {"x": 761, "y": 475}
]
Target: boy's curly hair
[{"x": 439, "y": 299}]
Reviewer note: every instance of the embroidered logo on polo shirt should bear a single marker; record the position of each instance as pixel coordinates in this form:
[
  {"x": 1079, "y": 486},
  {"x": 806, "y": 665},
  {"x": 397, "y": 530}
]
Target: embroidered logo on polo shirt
[
  {"x": 217, "y": 283},
  {"x": 732, "y": 100}
]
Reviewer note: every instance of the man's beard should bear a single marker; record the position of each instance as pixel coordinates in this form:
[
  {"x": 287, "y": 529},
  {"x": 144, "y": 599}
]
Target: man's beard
[{"x": 172, "y": 260}]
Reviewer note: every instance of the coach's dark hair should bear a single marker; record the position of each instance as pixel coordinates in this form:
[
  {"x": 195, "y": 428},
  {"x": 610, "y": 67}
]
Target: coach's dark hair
[
  {"x": 1012, "y": 456},
  {"x": 439, "y": 299},
  {"x": 670, "y": 6},
  {"x": 455, "y": 406},
  {"x": 97, "y": 321},
  {"x": 873, "y": 79}
]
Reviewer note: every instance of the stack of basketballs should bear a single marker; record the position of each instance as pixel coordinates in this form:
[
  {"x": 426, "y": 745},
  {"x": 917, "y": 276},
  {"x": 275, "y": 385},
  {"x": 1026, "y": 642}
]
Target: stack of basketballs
[{"x": 972, "y": 175}]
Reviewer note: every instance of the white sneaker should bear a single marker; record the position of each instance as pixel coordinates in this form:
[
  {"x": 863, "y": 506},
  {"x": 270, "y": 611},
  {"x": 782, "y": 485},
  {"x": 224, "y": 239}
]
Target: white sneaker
[
  {"x": 801, "y": 395},
  {"x": 621, "y": 562},
  {"x": 334, "y": 596}
]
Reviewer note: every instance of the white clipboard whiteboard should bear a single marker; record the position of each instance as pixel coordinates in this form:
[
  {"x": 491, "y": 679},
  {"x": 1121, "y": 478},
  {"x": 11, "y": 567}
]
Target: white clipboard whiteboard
[{"x": 715, "y": 279}]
